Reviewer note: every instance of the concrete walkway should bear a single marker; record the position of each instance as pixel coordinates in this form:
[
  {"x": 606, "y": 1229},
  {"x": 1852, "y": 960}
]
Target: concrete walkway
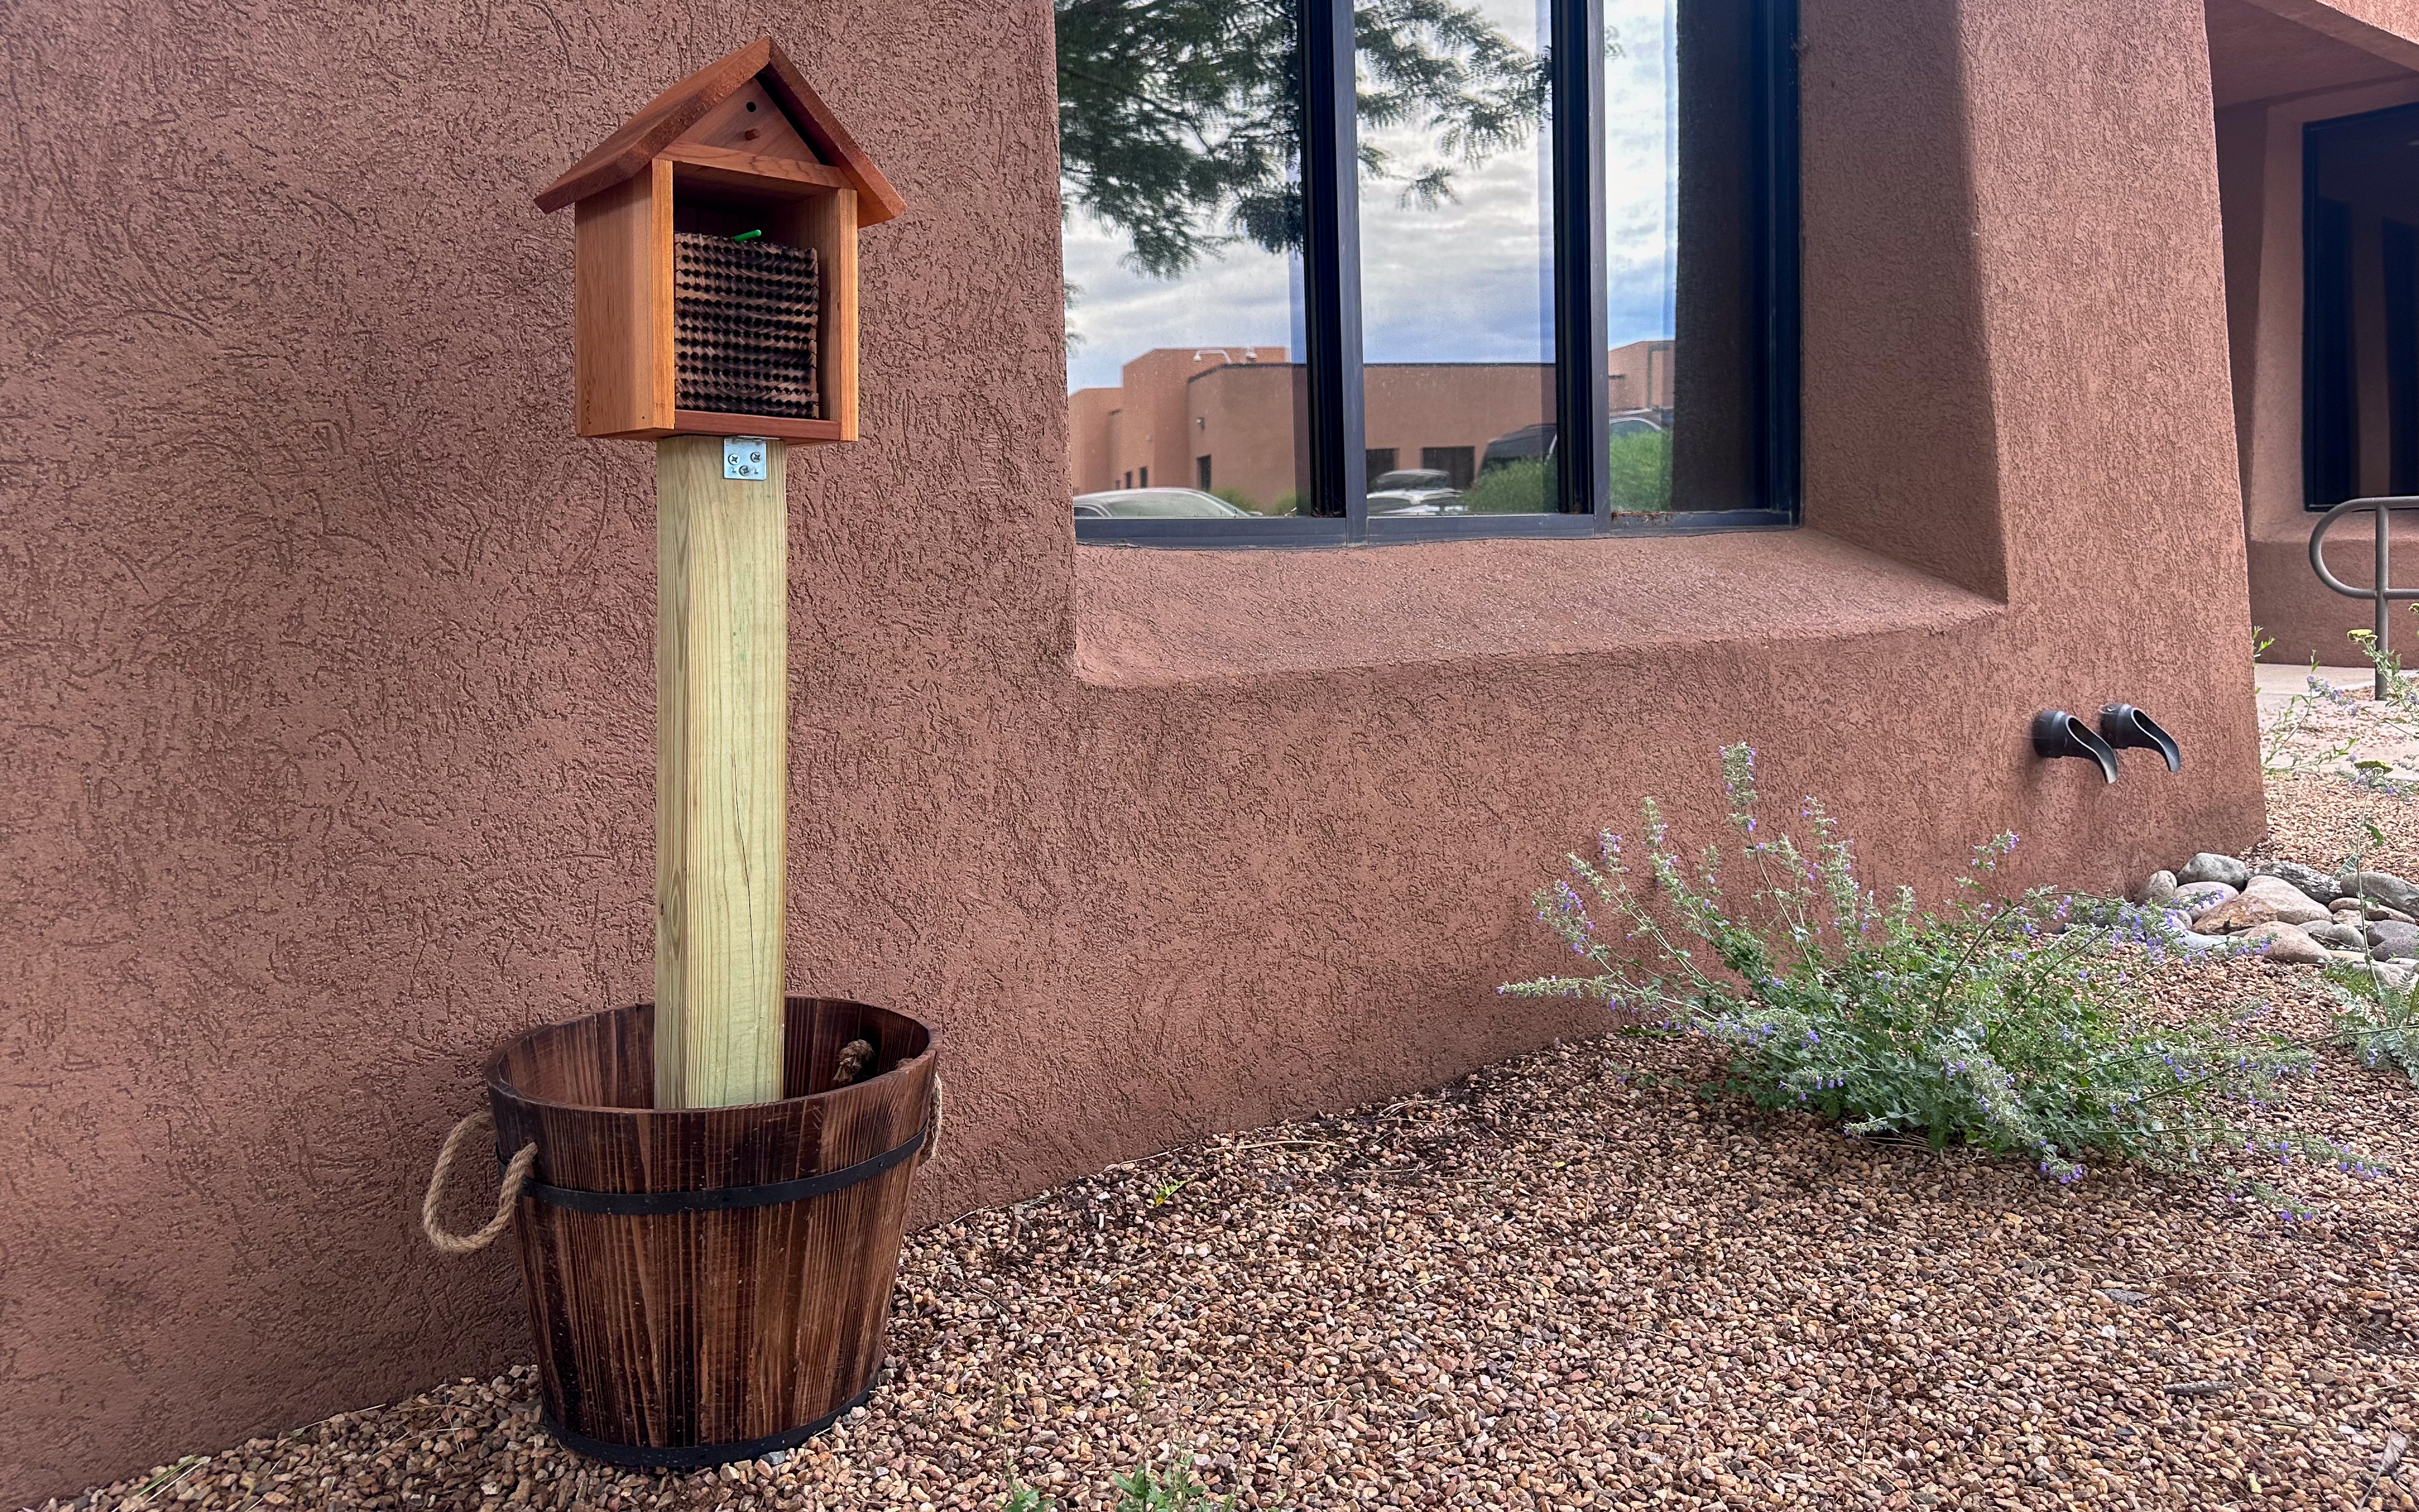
[{"x": 2279, "y": 683}]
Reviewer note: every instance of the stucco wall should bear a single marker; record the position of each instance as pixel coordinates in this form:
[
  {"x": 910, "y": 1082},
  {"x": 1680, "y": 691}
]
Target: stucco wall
[{"x": 327, "y": 645}]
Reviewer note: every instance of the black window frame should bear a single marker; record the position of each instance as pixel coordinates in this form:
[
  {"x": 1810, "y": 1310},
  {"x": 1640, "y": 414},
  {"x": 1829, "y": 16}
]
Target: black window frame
[{"x": 1332, "y": 308}]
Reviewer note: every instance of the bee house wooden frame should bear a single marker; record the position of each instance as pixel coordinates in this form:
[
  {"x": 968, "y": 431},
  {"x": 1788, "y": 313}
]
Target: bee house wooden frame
[{"x": 743, "y": 140}]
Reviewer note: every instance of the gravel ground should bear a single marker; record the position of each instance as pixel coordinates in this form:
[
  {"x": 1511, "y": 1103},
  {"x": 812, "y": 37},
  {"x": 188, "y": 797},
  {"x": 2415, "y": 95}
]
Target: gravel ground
[
  {"x": 1568, "y": 1282},
  {"x": 2316, "y": 816},
  {"x": 2320, "y": 819}
]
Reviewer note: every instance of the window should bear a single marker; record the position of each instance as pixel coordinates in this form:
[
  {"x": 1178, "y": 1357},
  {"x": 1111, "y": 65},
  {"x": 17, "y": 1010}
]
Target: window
[
  {"x": 2360, "y": 311},
  {"x": 1457, "y": 463},
  {"x": 1302, "y": 234}
]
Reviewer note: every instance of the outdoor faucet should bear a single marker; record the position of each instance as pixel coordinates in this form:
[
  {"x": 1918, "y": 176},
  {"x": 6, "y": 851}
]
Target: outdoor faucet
[
  {"x": 2056, "y": 732},
  {"x": 2122, "y": 724}
]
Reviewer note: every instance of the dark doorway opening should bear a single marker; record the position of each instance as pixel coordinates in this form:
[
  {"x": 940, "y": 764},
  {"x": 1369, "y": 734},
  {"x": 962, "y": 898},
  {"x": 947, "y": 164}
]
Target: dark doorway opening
[{"x": 2360, "y": 307}]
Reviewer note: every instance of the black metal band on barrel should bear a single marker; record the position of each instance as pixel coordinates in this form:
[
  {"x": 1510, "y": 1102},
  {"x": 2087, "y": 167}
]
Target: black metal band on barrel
[
  {"x": 699, "y": 1456},
  {"x": 722, "y": 1199}
]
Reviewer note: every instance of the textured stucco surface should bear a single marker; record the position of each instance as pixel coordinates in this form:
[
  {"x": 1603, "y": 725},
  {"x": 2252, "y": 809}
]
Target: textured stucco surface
[{"x": 327, "y": 645}]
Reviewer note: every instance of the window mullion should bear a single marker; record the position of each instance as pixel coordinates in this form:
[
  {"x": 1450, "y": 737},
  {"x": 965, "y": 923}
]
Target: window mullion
[
  {"x": 1775, "y": 251},
  {"x": 1331, "y": 263},
  {"x": 1582, "y": 399}
]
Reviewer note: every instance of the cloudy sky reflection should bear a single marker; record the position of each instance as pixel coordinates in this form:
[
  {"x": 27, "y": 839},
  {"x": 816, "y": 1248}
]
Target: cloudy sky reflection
[{"x": 1462, "y": 281}]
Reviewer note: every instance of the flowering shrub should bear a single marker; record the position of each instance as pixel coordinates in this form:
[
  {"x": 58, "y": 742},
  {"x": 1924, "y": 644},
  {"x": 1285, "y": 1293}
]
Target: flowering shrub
[
  {"x": 2378, "y": 1018},
  {"x": 2003, "y": 1026}
]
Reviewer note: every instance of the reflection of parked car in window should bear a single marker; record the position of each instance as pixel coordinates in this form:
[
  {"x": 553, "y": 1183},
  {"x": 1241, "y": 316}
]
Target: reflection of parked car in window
[
  {"x": 1532, "y": 441},
  {"x": 1414, "y": 491},
  {"x": 1155, "y": 503},
  {"x": 1522, "y": 445}
]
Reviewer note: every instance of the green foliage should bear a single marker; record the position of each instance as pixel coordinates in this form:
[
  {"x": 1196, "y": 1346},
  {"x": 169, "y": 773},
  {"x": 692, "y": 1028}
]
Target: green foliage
[
  {"x": 1523, "y": 487},
  {"x": 2377, "y": 1017},
  {"x": 1024, "y": 1498},
  {"x": 1640, "y": 463},
  {"x": 2002, "y": 1026},
  {"x": 1179, "y": 120},
  {"x": 1143, "y": 1490},
  {"x": 1177, "y": 1491},
  {"x": 1236, "y": 497}
]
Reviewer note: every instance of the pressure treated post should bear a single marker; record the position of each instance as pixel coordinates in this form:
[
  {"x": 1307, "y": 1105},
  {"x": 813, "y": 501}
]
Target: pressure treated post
[{"x": 721, "y": 774}]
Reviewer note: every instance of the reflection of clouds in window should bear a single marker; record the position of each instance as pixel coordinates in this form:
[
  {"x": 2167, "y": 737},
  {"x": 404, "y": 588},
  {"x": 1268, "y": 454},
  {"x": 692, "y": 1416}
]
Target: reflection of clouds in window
[
  {"x": 1460, "y": 282},
  {"x": 1463, "y": 279},
  {"x": 1640, "y": 170},
  {"x": 1243, "y": 297}
]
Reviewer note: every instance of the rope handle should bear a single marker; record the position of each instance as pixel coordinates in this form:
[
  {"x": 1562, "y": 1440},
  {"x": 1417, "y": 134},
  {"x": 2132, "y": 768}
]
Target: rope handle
[
  {"x": 478, "y": 1127},
  {"x": 932, "y": 1127}
]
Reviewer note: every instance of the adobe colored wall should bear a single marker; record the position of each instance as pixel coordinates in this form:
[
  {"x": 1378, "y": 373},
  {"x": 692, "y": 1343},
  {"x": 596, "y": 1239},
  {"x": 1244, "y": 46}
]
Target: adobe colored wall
[
  {"x": 328, "y": 647},
  {"x": 1090, "y": 415},
  {"x": 1414, "y": 406},
  {"x": 1156, "y": 439},
  {"x": 1252, "y": 416},
  {"x": 1640, "y": 374}
]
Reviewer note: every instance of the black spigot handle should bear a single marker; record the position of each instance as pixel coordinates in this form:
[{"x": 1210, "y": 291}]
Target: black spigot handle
[
  {"x": 2056, "y": 732},
  {"x": 2122, "y": 724}
]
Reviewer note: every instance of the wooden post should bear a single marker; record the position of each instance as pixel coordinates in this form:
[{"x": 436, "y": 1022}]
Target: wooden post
[{"x": 721, "y": 774}]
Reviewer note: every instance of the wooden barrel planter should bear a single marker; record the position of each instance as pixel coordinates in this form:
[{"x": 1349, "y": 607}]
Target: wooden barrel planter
[{"x": 708, "y": 1285}]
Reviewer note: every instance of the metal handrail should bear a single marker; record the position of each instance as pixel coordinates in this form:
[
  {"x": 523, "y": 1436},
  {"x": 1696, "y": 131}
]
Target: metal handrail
[{"x": 2383, "y": 593}]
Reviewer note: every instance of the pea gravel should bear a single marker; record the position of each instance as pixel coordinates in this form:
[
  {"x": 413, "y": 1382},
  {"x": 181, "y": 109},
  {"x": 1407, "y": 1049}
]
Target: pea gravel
[{"x": 1569, "y": 1282}]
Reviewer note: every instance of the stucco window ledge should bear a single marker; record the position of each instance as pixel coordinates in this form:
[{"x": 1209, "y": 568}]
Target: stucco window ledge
[{"x": 1153, "y": 618}]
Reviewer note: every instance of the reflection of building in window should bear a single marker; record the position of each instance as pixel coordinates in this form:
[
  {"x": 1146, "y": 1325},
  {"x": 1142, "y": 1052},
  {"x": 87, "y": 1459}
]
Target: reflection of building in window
[
  {"x": 1457, "y": 463},
  {"x": 1639, "y": 377},
  {"x": 1227, "y": 413}
]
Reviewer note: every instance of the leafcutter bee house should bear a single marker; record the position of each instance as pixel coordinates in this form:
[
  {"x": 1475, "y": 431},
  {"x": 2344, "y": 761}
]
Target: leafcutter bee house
[{"x": 715, "y": 285}]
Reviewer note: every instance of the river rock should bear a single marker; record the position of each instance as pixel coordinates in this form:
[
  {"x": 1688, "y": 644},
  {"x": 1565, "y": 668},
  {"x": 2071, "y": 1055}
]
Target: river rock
[
  {"x": 2159, "y": 890},
  {"x": 2283, "y": 943},
  {"x": 2318, "y": 884},
  {"x": 2341, "y": 936},
  {"x": 2211, "y": 867},
  {"x": 2359, "y": 908},
  {"x": 2293, "y": 905},
  {"x": 2199, "y": 896},
  {"x": 2389, "y": 889},
  {"x": 2390, "y": 941},
  {"x": 2234, "y": 916}
]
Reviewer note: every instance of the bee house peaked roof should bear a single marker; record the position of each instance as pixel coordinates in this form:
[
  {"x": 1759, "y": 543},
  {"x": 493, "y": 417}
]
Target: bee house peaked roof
[{"x": 679, "y": 110}]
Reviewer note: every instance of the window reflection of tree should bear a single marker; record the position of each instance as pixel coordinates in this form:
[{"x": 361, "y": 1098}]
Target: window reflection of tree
[{"x": 1179, "y": 121}]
